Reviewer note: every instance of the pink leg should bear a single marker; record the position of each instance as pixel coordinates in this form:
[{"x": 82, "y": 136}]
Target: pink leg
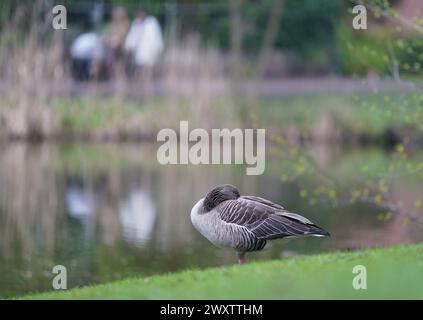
[{"x": 241, "y": 257}]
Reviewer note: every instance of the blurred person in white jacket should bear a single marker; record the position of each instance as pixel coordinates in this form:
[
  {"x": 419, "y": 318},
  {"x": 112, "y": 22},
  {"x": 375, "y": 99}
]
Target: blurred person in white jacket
[
  {"x": 144, "y": 40},
  {"x": 87, "y": 53}
]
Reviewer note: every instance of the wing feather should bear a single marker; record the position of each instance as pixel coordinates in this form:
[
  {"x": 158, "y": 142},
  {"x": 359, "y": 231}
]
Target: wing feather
[{"x": 265, "y": 219}]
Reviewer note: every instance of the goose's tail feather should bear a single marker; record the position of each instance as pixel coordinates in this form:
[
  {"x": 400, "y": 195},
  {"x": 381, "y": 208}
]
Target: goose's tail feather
[{"x": 316, "y": 231}]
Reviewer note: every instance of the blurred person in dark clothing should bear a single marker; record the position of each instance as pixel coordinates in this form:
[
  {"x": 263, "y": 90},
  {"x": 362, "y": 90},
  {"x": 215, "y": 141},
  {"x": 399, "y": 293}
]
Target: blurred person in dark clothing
[{"x": 87, "y": 53}]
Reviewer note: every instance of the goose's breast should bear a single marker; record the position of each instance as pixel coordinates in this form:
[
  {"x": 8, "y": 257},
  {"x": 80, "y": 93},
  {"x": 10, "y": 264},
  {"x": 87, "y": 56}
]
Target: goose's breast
[{"x": 219, "y": 232}]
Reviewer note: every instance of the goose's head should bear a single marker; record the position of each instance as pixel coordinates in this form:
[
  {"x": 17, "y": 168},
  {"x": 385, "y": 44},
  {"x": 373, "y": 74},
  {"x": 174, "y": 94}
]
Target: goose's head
[{"x": 218, "y": 195}]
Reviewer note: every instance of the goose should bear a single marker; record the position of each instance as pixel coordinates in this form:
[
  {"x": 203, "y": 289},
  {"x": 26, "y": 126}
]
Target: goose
[{"x": 246, "y": 223}]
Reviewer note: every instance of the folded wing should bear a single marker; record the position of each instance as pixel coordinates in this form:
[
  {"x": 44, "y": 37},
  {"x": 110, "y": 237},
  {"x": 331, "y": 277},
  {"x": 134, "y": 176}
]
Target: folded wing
[{"x": 265, "y": 219}]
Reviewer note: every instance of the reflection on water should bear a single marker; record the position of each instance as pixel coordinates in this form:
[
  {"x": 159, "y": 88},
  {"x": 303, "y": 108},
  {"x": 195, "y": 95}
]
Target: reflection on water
[
  {"x": 137, "y": 215},
  {"x": 79, "y": 202},
  {"x": 108, "y": 212}
]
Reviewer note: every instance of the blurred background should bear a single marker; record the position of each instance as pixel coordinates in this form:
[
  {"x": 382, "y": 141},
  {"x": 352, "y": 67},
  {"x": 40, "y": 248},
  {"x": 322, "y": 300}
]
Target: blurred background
[{"x": 80, "y": 109}]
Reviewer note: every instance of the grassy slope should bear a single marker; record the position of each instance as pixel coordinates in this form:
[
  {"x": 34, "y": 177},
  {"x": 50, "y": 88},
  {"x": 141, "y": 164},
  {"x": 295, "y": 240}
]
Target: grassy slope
[{"x": 392, "y": 273}]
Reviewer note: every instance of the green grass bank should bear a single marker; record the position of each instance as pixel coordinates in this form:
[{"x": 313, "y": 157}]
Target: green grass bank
[{"x": 392, "y": 273}]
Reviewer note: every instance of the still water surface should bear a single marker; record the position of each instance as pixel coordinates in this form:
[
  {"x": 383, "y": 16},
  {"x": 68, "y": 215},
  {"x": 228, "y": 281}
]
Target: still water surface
[{"x": 107, "y": 212}]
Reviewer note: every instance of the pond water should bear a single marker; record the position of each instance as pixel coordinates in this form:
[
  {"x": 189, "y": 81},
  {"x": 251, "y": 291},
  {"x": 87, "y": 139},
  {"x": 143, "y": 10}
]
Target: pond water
[{"x": 111, "y": 211}]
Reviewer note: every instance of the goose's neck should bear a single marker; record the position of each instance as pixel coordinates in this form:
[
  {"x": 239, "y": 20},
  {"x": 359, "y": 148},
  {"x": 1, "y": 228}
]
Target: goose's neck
[{"x": 198, "y": 209}]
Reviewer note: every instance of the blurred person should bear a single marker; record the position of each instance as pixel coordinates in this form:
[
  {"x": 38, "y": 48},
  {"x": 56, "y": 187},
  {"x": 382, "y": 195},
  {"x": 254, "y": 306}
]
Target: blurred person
[
  {"x": 114, "y": 36},
  {"x": 86, "y": 52},
  {"x": 144, "y": 41}
]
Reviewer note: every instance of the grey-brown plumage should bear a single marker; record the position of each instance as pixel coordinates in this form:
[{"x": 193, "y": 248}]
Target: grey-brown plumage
[{"x": 246, "y": 223}]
